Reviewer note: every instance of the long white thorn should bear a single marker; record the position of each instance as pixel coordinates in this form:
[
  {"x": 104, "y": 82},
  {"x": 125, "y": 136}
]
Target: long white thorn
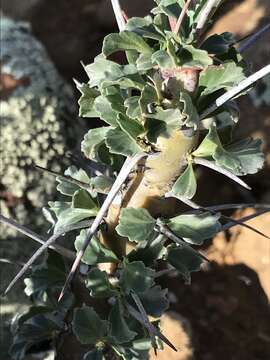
[
  {"x": 121, "y": 178},
  {"x": 236, "y": 90},
  {"x": 205, "y": 13},
  {"x": 118, "y": 14},
  {"x": 32, "y": 235},
  {"x": 213, "y": 166},
  {"x": 45, "y": 246},
  {"x": 253, "y": 38}
]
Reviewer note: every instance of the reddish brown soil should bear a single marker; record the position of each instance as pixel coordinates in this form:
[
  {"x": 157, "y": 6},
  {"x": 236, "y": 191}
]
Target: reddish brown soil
[{"x": 228, "y": 312}]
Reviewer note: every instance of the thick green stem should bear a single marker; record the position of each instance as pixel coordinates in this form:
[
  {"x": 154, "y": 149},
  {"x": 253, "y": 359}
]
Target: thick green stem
[{"x": 147, "y": 189}]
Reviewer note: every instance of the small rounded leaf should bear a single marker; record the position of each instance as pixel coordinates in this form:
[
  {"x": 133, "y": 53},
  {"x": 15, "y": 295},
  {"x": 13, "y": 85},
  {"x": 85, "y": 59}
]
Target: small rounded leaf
[
  {"x": 88, "y": 326},
  {"x": 136, "y": 224}
]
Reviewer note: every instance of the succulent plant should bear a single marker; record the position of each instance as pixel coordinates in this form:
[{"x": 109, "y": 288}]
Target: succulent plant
[{"x": 168, "y": 109}]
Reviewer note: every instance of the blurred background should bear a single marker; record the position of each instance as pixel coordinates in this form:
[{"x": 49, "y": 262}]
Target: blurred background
[{"x": 225, "y": 311}]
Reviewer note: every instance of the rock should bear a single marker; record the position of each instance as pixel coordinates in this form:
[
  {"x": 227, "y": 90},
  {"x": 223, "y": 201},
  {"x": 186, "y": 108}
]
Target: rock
[{"x": 37, "y": 123}]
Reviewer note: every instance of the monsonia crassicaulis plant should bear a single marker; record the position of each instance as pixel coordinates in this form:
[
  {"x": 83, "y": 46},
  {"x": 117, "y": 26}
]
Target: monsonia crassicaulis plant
[{"x": 168, "y": 108}]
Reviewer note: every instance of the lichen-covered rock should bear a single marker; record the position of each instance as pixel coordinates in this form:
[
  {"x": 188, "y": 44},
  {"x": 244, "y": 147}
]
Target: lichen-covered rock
[{"x": 37, "y": 120}]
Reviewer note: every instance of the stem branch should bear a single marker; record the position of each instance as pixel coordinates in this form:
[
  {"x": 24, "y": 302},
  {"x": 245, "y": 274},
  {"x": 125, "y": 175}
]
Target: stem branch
[{"x": 181, "y": 17}]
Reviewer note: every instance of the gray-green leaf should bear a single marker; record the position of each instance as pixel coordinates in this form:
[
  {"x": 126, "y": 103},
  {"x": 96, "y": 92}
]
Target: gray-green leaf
[
  {"x": 123, "y": 41},
  {"x": 136, "y": 224},
  {"x": 155, "y": 301},
  {"x": 209, "y": 144},
  {"x": 86, "y": 101},
  {"x": 172, "y": 119},
  {"x": 220, "y": 77},
  {"x": 119, "y": 331},
  {"x": 67, "y": 188},
  {"x": 132, "y": 105},
  {"x": 92, "y": 141},
  {"x": 195, "y": 228},
  {"x": 119, "y": 142},
  {"x": 144, "y": 27},
  {"x": 137, "y": 277},
  {"x": 72, "y": 216},
  {"x": 149, "y": 252},
  {"x": 186, "y": 184},
  {"x": 189, "y": 111},
  {"x": 130, "y": 126},
  {"x": 83, "y": 200},
  {"x": 102, "y": 184},
  {"x": 148, "y": 97},
  {"x": 97, "y": 282},
  {"x": 162, "y": 59},
  {"x": 104, "y": 110},
  {"x": 87, "y": 325},
  {"x": 105, "y": 70},
  {"x": 144, "y": 62},
  {"x": 241, "y": 158},
  {"x": 218, "y": 43},
  {"x": 185, "y": 260},
  {"x": 59, "y": 206},
  {"x": 192, "y": 56},
  {"x": 95, "y": 252}
]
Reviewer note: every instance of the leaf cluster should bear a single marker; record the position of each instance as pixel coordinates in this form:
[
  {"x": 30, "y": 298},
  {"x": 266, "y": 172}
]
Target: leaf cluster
[
  {"x": 167, "y": 81},
  {"x": 46, "y": 318}
]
